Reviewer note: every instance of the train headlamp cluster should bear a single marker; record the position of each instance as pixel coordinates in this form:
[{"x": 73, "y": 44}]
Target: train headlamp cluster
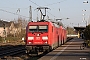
[
  {"x": 30, "y": 38},
  {"x": 45, "y": 38}
]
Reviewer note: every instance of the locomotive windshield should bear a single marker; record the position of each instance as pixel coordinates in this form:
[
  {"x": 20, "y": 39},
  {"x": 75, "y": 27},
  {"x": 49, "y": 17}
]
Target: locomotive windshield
[
  {"x": 43, "y": 28},
  {"x": 32, "y": 28},
  {"x": 38, "y": 28}
]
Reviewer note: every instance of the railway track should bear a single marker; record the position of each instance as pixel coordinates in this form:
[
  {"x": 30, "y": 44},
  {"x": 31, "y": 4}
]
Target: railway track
[
  {"x": 8, "y": 51},
  {"x": 14, "y": 52},
  {"x": 17, "y": 53}
]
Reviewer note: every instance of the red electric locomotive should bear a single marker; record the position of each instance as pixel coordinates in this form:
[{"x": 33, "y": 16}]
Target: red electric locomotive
[{"x": 44, "y": 36}]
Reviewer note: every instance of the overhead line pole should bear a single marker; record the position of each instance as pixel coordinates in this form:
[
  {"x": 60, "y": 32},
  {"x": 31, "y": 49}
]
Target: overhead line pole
[{"x": 30, "y": 14}]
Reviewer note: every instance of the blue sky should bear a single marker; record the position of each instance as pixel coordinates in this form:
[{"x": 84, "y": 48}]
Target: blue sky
[{"x": 68, "y": 9}]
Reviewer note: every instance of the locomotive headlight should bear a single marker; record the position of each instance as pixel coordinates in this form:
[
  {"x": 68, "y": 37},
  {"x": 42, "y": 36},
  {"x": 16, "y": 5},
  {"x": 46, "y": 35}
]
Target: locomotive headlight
[
  {"x": 30, "y": 38},
  {"x": 46, "y": 42},
  {"x": 30, "y": 42},
  {"x": 45, "y": 38}
]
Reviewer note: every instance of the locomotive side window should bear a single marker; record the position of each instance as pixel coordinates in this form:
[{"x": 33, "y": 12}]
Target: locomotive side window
[
  {"x": 33, "y": 28},
  {"x": 43, "y": 29}
]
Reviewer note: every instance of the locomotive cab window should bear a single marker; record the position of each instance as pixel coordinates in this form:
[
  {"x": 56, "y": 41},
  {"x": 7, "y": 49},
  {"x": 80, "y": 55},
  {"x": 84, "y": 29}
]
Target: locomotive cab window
[
  {"x": 43, "y": 28},
  {"x": 38, "y": 28},
  {"x": 33, "y": 28}
]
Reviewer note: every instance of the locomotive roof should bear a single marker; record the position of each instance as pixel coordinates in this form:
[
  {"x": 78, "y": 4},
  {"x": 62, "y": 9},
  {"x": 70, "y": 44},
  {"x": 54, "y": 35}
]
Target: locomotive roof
[{"x": 54, "y": 24}]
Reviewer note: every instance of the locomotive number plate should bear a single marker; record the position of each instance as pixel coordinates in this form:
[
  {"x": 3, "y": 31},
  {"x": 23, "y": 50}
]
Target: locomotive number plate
[{"x": 37, "y": 38}]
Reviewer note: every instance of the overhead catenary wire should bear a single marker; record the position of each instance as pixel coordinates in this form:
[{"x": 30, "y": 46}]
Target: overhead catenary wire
[
  {"x": 33, "y": 2},
  {"x": 55, "y": 3},
  {"x": 39, "y": 6},
  {"x": 48, "y": 5},
  {"x": 20, "y": 8},
  {"x": 52, "y": 4},
  {"x": 14, "y": 8},
  {"x": 12, "y": 13},
  {"x": 51, "y": 14}
]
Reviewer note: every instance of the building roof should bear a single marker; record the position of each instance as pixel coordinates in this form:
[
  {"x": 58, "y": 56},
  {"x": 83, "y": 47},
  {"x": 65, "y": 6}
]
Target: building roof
[
  {"x": 7, "y": 24},
  {"x": 79, "y": 28}
]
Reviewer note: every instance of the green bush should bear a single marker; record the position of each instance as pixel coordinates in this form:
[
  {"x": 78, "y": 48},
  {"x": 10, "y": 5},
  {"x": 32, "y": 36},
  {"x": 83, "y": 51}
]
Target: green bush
[{"x": 87, "y": 32}]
